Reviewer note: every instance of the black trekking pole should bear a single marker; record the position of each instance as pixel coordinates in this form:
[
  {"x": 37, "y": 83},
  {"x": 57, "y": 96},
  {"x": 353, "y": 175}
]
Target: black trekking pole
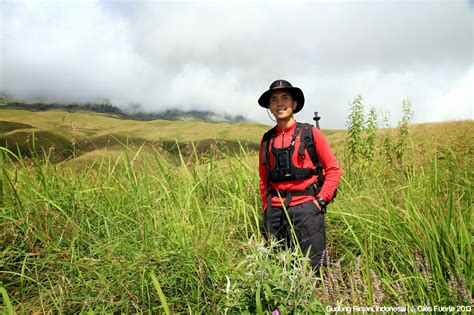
[{"x": 316, "y": 118}]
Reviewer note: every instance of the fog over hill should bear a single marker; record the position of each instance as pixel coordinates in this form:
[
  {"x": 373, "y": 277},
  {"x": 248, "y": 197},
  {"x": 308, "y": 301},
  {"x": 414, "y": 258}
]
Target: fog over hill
[
  {"x": 132, "y": 112},
  {"x": 221, "y": 56}
]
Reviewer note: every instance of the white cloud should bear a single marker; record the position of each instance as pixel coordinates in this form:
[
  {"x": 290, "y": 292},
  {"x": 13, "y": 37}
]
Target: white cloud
[
  {"x": 210, "y": 55},
  {"x": 456, "y": 104}
]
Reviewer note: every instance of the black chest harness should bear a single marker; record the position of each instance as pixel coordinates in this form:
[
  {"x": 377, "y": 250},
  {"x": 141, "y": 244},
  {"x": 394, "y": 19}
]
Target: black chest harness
[{"x": 285, "y": 170}]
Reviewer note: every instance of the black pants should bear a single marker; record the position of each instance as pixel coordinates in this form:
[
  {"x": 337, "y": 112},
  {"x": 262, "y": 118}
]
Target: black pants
[{"x": 309, "y": 227}]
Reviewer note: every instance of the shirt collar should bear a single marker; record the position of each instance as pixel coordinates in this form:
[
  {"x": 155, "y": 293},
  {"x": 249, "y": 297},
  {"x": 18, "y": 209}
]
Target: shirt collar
[{"x": 287, "y": 129}]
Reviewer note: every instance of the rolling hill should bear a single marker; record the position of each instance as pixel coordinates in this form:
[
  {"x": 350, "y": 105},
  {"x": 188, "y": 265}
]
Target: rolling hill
[
  {"x": 86, "y": 135},
  {"x": 113, "y": 229},
  {"x": 80, "y": 133}
]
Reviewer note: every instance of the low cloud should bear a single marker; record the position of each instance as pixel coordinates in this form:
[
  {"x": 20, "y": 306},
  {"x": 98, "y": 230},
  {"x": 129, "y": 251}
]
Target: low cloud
[{"x": 221, "y": 57}]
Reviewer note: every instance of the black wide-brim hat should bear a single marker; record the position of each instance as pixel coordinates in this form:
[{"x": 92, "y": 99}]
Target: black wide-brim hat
[{"x": 297, "y": 94}]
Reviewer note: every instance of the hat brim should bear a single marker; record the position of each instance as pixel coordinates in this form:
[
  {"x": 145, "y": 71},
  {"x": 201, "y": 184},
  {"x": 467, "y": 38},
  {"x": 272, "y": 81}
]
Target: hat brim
[{"x": 297, "y": 94}]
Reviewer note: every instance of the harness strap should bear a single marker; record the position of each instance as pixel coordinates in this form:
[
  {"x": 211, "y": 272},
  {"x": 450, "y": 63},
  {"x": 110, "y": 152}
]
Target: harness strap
[
  {"x": 295, "y": 133},
  {"x": 311, "y": 190},
  {"x": 270, "y": 134},
  {"x": 302, "y": 143},
  {"x": 267, "y": 137},
  {"x": 297, "y": 174},
  {"x": 307, "y": 138}
]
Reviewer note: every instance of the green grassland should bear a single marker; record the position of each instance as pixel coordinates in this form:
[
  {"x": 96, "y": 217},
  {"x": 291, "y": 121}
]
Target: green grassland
[
  {"x": 88, "y": 125},
  {"x": 85, "y": 132},
  {"x": 128, "y": 216}
]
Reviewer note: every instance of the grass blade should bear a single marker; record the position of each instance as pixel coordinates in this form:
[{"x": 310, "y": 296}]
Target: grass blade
[
  {"x": 162, "y": 297},
  {"x": 6, "y": 301}
]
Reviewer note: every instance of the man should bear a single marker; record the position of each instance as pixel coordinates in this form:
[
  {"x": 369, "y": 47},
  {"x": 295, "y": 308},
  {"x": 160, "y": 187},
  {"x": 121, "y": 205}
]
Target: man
[{"x": 298, "y": 172}]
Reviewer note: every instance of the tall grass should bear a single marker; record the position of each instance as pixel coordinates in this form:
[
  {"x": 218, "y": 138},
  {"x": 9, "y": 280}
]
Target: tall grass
[{"x": 146, "y": 234}]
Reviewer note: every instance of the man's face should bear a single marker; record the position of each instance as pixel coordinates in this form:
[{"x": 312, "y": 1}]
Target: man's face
[{"x": 282, "y": 105}]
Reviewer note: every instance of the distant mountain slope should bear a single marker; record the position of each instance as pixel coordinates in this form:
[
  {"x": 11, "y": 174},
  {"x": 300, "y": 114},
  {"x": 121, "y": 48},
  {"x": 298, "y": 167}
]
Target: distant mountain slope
[
  {"x": 135, "y": 114},
  {"x": 83, "y": 124},
  {"x": 75, "y": 133},
  {"x": 66, "y": 135}
]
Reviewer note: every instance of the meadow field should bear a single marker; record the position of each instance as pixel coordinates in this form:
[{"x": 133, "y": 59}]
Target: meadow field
[{"x": 100, "y": 214}]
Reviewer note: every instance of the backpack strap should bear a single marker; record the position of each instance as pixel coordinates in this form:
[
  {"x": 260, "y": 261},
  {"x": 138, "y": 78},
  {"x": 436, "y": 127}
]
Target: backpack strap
[
  {"x": 267, "y": 137},
  {"x": 298, "y": 128},
  {"x": 302, "y": 145},
  {"x": 307, "y": 140}
]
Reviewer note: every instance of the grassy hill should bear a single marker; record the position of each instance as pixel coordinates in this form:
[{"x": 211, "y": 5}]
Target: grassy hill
[
  {"x": 85, "y": 133},
  {"x": 79, "y": 133},
  {"x": 84, "y": 136},
  {"x": 83, "y": 125},
  {"x": 130, "y": 229}
]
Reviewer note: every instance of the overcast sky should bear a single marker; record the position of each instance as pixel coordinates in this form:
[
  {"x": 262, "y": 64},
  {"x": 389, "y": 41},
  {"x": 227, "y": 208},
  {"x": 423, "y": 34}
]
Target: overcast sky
[{"x": 217, "y": 56}]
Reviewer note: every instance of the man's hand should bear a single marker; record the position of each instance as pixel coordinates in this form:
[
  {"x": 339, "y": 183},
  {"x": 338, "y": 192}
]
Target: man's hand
[
  {"x": 317, "y": 204},
  {"x": 321, "y": 204}
]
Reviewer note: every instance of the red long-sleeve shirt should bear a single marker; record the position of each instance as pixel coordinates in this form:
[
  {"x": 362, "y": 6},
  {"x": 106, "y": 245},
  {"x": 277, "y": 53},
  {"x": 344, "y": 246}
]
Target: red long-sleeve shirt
[{"x": 325, "y": 155}]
